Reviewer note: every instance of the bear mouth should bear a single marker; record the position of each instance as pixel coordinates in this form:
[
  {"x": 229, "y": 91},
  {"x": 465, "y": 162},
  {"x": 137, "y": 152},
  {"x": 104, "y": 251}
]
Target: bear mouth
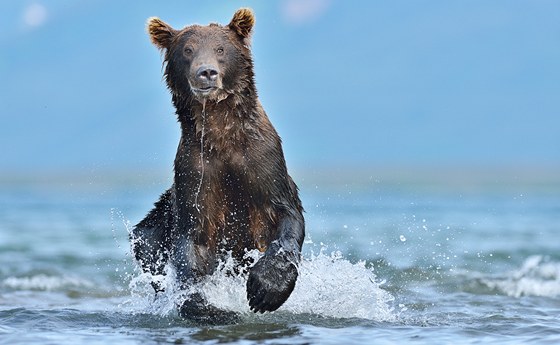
[{"x": 204, "y": 91}]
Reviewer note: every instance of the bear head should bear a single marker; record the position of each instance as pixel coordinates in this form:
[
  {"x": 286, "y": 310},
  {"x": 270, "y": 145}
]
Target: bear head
[{"x": 206, "y": 62}]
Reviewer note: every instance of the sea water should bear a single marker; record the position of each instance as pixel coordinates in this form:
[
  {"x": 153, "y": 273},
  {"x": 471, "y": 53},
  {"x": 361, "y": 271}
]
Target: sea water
[{"x": 382, "y": 263}]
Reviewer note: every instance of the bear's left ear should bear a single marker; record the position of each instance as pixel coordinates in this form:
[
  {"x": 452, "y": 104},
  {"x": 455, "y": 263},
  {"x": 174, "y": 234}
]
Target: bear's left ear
[{"x": 242, "y": 23}]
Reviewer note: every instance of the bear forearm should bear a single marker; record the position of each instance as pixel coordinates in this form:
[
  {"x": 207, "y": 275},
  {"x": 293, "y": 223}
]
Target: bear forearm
[
  {"x": 291, "y": 232},
  {"x": 273, "y": 278},
  {"x": 151, "y": 237}
]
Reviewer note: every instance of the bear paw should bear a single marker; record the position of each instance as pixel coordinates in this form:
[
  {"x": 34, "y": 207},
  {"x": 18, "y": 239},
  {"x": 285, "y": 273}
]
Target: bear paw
[
  {"x": 271, "y": 281},
  {"x": 197, "y": 310}
]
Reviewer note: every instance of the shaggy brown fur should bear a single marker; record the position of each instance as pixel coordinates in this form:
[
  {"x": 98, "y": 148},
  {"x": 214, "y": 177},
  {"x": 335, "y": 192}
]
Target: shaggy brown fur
[{"x": 231, "y": 191}]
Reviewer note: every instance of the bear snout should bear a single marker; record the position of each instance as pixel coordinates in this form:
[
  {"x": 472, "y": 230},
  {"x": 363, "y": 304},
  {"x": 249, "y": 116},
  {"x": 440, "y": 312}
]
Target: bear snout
[
  {"x": 207, "y": 74},
  {"x": 205, "y": 80}
]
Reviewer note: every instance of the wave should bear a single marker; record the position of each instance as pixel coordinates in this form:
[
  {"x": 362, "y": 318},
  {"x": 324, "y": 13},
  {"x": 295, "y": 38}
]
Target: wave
[
  {"x": 537, "y": 276},
  {"x": 43, "y": 282}
]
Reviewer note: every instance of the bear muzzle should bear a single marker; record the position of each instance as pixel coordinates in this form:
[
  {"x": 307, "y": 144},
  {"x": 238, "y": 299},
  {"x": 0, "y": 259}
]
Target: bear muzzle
[{"x": 206, "y": 81}]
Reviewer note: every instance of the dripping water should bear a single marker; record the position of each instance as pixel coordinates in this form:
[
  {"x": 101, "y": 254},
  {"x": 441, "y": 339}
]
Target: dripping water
[{"x": 196, "y": 204}]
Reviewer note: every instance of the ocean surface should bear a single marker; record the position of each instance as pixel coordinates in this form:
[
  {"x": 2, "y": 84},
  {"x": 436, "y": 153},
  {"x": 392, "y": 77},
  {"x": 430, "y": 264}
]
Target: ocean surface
[{"x": 385, "y": 262}]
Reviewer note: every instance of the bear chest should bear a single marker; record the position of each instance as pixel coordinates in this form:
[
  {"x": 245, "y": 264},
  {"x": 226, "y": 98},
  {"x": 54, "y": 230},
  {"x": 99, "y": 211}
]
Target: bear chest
[{"x": 235, "y": 210}]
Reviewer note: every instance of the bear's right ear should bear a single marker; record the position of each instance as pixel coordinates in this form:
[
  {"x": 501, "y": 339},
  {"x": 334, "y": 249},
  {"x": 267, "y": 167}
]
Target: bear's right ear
[{"x": 160, "y": 32}]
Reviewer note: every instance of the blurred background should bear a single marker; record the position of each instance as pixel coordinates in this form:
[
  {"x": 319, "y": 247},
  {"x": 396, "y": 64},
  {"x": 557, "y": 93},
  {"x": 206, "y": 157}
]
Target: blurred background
[
  {"x": 358, "y": 90},
  {"x": 424, "y": 137}
]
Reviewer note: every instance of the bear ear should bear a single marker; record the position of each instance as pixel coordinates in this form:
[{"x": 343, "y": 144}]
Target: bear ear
[
  {"x": 242, "y": 22},
  {"x": 160, "y": 32}
]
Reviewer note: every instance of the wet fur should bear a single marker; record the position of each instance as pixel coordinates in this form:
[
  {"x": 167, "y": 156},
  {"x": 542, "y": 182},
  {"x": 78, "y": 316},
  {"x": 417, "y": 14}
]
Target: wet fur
[{"x": 241, "y": 197}]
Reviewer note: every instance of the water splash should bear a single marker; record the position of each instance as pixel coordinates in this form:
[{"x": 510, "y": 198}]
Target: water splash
[
  {"x": 331, "y": 286},
  {"x": 328, "y": 286}
]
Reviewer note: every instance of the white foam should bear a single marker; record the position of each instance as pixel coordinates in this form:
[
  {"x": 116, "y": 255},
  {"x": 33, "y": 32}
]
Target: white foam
[
  {"x": 536, "y": 277},
  {"x": 328, "y": 285}
]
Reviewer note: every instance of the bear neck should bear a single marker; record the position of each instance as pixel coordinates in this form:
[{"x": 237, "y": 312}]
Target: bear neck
[{"x": 226, "y": 123}]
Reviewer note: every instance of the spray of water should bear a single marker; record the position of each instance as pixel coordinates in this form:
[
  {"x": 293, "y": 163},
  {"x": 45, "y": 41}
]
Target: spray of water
[{"x": 328, "y": 286}]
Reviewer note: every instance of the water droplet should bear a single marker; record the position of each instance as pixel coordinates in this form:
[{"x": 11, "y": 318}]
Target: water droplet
[{"x": 402, "y": 238}]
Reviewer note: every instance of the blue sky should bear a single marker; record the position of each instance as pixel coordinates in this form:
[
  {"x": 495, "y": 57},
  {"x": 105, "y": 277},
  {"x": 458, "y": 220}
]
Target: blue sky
[{"x": 346, "y": 83}]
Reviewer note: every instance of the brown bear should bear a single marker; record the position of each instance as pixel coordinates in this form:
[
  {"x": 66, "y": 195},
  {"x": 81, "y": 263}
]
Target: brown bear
[{"x": 231, "y": 191}]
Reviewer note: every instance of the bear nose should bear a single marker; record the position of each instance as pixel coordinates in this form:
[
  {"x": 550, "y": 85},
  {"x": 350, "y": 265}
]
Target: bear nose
[{"x": 207, "y": 73}]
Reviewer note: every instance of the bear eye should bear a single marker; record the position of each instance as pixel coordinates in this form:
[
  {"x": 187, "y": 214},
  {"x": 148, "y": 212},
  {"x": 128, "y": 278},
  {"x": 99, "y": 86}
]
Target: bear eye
[
  {"x": 220, "y": 51},
  {"x": 188, "y": 51}
]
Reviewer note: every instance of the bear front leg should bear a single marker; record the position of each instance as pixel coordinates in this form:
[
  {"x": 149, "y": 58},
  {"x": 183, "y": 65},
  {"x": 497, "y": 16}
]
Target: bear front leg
[
  {"x": 150, "y": 238},
  {"x": 191, "y": 261},
  {"x": 272, "y": 279}
]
